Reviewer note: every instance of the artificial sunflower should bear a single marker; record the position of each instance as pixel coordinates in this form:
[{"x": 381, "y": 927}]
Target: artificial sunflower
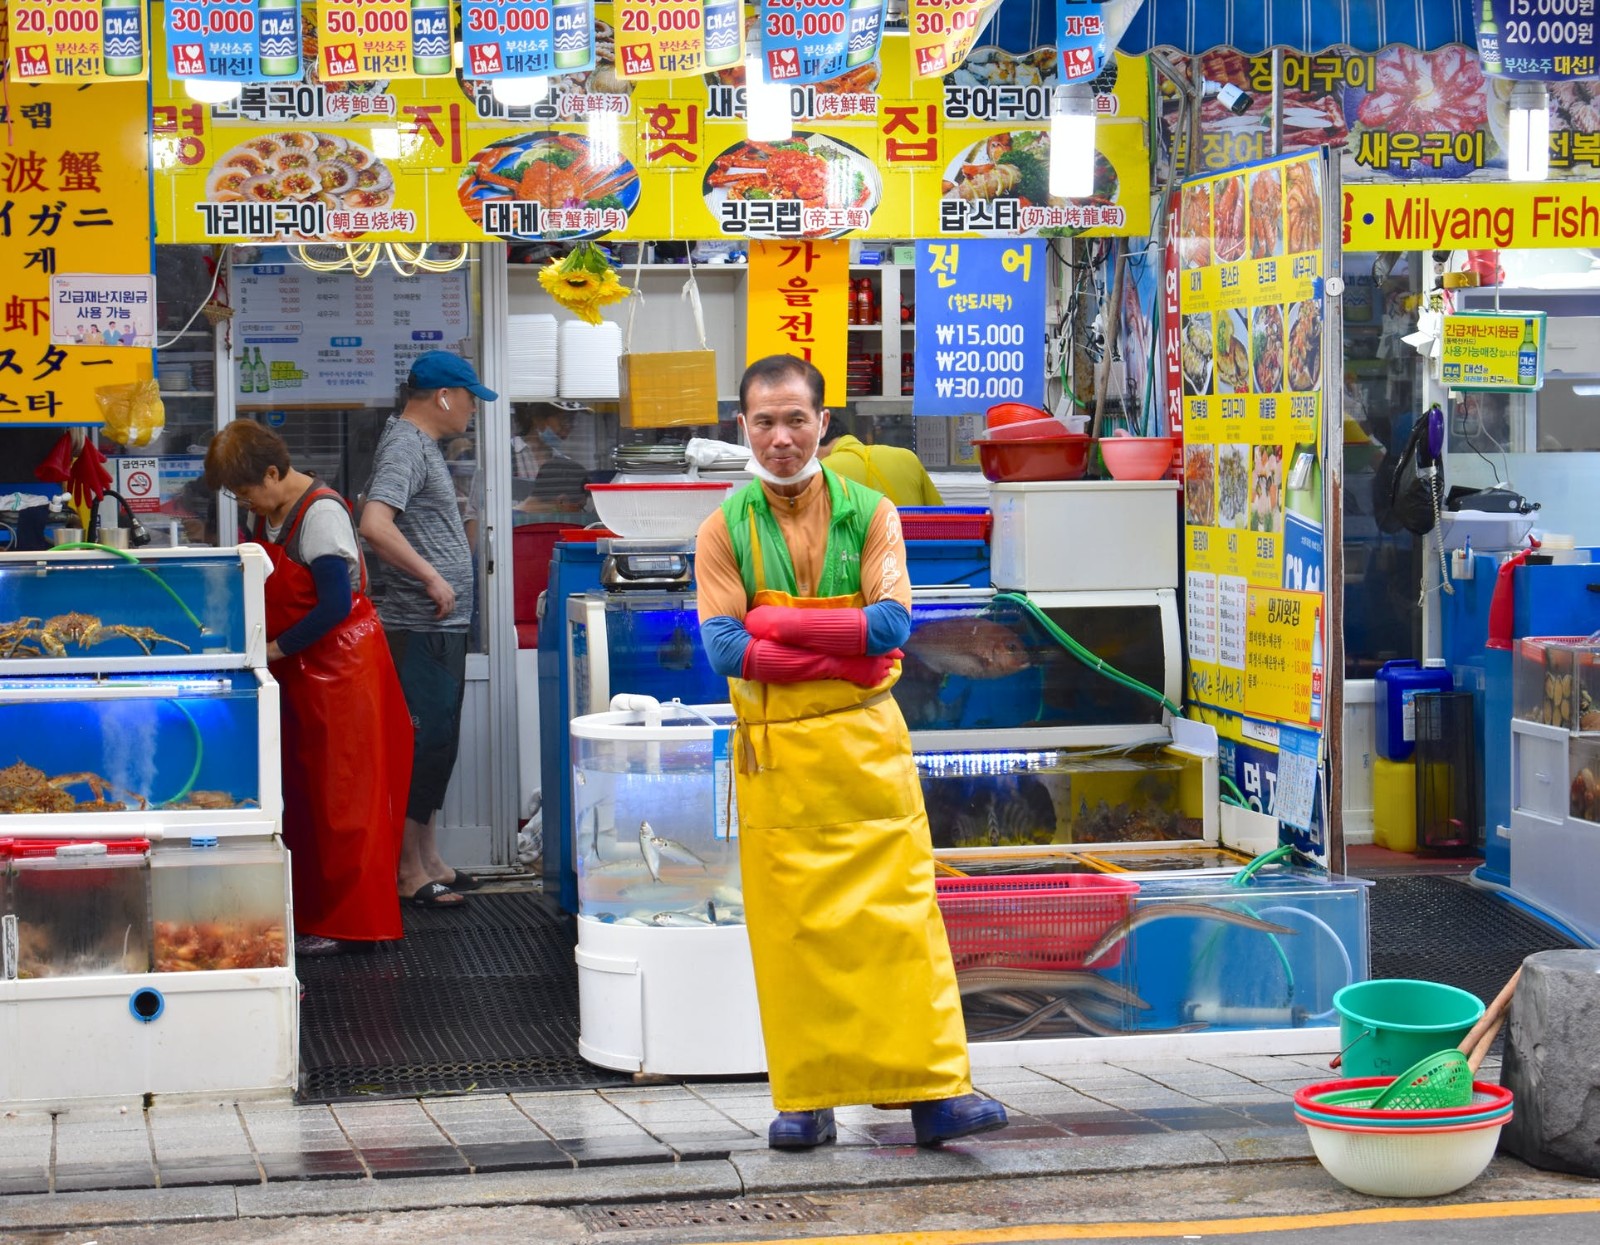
[{"x": 583, "y": 282}]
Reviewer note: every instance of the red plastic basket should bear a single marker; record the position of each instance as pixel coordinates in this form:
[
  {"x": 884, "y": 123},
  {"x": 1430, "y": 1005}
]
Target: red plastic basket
[
  {"x": 945, "y": 522},
  {"x": 1042, "y": 921}
]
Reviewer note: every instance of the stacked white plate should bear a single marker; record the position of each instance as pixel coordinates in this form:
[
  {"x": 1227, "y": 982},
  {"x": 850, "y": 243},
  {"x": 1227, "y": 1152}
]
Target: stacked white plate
[
  {"x": 589, "y": 354},
  {"x": 531, "y": 350},
  {"x": 961, "y": 488}
]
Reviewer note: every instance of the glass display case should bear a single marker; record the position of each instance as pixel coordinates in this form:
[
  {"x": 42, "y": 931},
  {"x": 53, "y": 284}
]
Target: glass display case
[
  {"x": 80, "y": 909},
  {"x": 165, "y": 609},
  {"x": 217, "y": 907},
  {"x": 1555, "y": 681}
]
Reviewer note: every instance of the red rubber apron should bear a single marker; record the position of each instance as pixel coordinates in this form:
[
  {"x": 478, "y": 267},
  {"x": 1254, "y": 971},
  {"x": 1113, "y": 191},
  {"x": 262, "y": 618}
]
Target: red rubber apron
[{"x": 346, "y": 741}]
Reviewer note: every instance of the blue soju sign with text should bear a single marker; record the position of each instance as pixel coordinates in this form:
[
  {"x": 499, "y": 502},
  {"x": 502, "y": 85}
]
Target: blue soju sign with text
[
  {"x": 1538, "y": 40},
  {"x": 233, "y": 40},
  {"x": 980, "y": 325},
  {"x": 526, "y": 38},
  {"x": 1080, "y": 39},
  {"x": 817, "y": 41}
]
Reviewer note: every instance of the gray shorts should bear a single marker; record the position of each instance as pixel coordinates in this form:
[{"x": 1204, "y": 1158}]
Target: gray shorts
[{"x": 432, "y": 666}]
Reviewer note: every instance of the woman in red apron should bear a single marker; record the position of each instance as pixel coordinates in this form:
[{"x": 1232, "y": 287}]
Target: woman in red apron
[{"x": 346, "y": 732}]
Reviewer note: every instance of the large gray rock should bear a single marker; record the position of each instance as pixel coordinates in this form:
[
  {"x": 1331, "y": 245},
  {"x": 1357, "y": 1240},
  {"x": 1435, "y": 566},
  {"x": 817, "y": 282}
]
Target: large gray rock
[{"x": 1552, "y": 1063}]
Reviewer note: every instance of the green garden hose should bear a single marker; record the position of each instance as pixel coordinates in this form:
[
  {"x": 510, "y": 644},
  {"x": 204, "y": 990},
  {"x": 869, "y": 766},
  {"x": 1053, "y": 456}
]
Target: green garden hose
[{"x": 128, "y": 557}]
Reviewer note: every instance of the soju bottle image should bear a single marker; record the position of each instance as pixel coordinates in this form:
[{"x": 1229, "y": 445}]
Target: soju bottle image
[
  {"x": 866, "y": 28},
  {"x": 430, "y": 37},
  {"x": 122, "y": 37},
  {"x": 1489, "y": 41},
  {"x": 1528, "y": 357},
  {"x": 280, "y": 38},
  {"x": 574, "y": 32},
  {"x": 723, "y": 22},
  {"x": 263, "y": 377}
]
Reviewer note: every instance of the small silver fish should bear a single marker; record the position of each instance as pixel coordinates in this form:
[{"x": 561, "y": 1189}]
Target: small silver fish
[
  {"x": 649, "y": 850},
  {"x": 659, "y": 849},
  {"x": 1191, "y": 911},
  {"x": 678, "y": 920}
]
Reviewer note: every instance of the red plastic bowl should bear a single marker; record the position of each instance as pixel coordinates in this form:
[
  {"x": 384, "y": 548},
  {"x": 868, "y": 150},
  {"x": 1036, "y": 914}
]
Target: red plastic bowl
[
  {"x": 1011, "y": 462},
  {"x": 1137, "y": 458},
  {"x": 1032, "y": 430},
  {"x": 1003, "y": 413},
  {"x": 1498, "y": 1098}
]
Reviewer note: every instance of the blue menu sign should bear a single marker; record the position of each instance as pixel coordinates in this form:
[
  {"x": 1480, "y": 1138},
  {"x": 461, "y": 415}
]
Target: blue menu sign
[
  {"x": 1080, "y": 39},
  {"x": 814, "y": 41},
  {"x": 234, "y": 40},
  {"x": 980, "y": 325},
  {"x": 1539, "y": 40},
  {"x": 527, "y": 38}
]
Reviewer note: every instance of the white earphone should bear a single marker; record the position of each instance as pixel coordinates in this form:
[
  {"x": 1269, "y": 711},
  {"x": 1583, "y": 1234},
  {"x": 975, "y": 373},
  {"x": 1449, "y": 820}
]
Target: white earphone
[{"x": 444, "y": 401}]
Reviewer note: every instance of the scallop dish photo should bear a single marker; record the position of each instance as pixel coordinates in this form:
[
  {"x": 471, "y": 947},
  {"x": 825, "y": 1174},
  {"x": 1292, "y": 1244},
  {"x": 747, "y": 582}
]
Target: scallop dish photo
[
  {"x": 1266, "y": 488},
  {"x": 1266, "y": 348},
  {"x": 301, "y": 166},
  {"x": 1196, "y": 354},
  {"x": 1232, "y": 359},
  {"x": 1228, "y": 219},
  {"x": 1305, "y": 346},
  {"x": 1194, "y": 245},
  {"x": 1266, "y": 214},
  {"x": 1233, "y": 485},
  {"x": 1199, "y": 486}
]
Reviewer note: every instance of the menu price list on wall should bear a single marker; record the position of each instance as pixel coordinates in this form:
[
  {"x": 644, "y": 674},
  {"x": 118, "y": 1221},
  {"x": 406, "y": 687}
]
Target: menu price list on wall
[
  {"x": 317, "y": 338},
  {"x": 980, "y": 325}
]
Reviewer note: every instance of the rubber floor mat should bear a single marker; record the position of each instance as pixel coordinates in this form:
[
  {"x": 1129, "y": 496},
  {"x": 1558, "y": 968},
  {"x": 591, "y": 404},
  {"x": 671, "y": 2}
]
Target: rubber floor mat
[
  {"x": 481, "y": 998},
  {"x": 1434, "y": 928}
]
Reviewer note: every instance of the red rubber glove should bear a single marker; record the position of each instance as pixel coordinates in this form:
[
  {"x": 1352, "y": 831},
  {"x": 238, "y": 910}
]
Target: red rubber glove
[
  {"x": 771, "y": 662},
  {"x": 841, "y": 632}
]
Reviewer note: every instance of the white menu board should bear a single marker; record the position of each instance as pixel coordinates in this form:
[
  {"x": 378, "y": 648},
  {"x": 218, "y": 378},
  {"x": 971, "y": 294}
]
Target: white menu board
[{"x": 302, "y": 337}]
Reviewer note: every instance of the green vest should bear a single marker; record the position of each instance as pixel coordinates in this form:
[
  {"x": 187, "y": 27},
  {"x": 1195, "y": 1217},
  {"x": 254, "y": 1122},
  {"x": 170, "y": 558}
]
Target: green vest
[{"x": 750, "y": 520}]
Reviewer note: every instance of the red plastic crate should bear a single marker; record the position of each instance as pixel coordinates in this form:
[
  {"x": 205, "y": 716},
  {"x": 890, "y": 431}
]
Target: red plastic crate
[
  {"x": 1039, "y": 921},
  {"x": 945, "y": 522}
]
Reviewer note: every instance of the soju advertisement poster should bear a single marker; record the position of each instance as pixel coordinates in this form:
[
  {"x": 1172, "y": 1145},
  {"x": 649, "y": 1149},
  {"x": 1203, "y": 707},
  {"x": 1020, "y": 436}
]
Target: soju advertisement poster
[
  {"x": 1250, "y": 300},
  {"x": 875, "y": 154},
  {"x": 234, "y": 40},
  {"x": 77, "y": 41}
]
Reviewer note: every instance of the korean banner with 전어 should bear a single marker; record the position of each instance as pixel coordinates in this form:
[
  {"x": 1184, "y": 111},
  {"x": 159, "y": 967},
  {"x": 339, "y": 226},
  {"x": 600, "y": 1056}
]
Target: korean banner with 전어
[
  {"x": 980, "y": 325},
  {"x": 366, "y": 39},
  {"x": 233, "y": 40},
  {"x": 798, "y": 292},
  {"x": 78, "y": 40}
]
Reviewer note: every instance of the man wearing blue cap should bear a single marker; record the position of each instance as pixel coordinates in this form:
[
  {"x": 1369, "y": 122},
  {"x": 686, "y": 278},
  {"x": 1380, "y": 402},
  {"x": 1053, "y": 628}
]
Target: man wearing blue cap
[{"x": 413, "y": 524}]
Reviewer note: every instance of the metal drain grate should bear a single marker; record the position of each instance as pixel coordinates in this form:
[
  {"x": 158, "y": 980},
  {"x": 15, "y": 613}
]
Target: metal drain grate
[
  {"x": 702, "y": 1214},
  {"x": 485, "y": 998},
  {"x": 1435, "y": 928}
]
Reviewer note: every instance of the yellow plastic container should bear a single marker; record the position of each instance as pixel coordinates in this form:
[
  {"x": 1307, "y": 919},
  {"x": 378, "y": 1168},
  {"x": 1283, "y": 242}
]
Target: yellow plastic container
[{"x": 1394, "y": 804}]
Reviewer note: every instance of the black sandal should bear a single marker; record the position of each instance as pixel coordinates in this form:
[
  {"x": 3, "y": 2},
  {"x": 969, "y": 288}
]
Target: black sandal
[
  {"x": 434, "y": 895},
  {"x": 464, "y": 882}
]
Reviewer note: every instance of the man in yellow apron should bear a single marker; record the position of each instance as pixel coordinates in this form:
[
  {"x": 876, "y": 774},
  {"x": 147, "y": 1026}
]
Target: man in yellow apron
[
  {"x": 896, "y": 473},
  {"x": 804, "y": 601}
]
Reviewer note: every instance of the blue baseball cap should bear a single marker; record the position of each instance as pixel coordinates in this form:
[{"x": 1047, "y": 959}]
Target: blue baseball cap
[{"x": 439, "y": 369}]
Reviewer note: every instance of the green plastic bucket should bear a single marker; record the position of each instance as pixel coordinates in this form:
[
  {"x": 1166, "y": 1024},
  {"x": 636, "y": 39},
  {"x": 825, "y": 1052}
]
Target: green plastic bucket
[{"x": 1385, "y": 1026}]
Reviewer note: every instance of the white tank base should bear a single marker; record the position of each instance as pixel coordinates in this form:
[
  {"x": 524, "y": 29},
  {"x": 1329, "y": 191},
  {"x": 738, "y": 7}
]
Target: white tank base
[{"x": 667, "y": 1001}]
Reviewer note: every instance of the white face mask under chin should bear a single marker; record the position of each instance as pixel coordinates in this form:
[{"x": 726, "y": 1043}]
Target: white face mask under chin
[{"x": 800, "y": 477}]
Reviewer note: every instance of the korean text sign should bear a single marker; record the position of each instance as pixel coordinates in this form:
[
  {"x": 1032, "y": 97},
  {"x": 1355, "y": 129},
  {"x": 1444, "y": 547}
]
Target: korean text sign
[
  {"x": 798, "y": 293},
  {"x": 1500, "y": 352},
  {"x": 72, "y": 194},
  {"x": 943, "y": 32},
  {"x": 1539, "y": 39},
  {"x": 809, "y": 41},
  {"x": 980, "y": 325},
  {"x": 233, "y": 40},
  {"x": 1080, "y": 39},
  {"x": 678, "y": 38},
  {"x": 1250, "y": 352},
  {"x": 527, "y": 38},
  {"x": 78, "y": 40},
  {"x": 369, "y": 39}
]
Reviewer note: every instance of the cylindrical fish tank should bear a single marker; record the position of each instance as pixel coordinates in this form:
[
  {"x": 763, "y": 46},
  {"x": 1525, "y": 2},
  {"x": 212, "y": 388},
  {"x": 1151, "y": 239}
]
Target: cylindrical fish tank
[{"x": 654, "y": 826}]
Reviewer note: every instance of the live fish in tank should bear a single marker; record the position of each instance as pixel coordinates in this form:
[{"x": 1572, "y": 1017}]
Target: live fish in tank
[
  {"x": 1148, "y": 913},
  {"x": 656, "y": 849},
  {"x": 989, "y": 810},
  {"x": 677, "y": 652},
  {"x": 974, "y": 648}
]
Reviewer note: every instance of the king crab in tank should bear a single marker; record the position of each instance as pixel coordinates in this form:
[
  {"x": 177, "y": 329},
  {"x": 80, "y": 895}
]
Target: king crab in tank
[{"x": 24, "y": 789}]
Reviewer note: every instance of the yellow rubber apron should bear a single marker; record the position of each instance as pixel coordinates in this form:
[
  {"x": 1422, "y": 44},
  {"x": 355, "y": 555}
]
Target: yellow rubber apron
[{"x": 853, "y": 972}]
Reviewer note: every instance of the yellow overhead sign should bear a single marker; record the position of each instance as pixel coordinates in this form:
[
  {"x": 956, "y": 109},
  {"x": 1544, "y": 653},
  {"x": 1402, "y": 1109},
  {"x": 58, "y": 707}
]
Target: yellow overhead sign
[{"x": 1470, "y": 216}]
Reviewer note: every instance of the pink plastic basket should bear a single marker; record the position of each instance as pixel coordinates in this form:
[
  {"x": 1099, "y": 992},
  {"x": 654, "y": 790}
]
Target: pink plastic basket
[{"x": 1041, "y": 921}]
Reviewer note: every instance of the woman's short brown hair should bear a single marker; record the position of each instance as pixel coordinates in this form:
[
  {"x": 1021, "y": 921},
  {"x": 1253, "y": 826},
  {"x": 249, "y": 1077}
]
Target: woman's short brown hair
[{"x": 240, "y": 454}]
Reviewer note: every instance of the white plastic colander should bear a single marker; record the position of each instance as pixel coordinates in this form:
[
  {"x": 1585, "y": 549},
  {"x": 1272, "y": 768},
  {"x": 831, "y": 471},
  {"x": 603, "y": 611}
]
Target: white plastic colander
[
  {"x": 667, "y": 511},
  {"x": 1419, "y": 1162}
]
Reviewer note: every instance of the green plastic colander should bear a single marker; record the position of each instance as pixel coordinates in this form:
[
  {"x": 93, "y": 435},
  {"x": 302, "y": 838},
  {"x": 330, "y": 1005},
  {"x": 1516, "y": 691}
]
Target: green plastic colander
[{"x": 1435, "y": 1082}]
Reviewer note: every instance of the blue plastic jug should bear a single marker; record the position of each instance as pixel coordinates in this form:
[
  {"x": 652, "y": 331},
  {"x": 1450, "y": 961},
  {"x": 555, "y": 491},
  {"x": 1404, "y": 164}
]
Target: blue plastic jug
[{"x": 1397, "y": 685}]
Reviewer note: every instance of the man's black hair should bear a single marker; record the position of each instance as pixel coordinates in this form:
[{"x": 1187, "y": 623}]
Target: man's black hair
[{"x": 777, "y": 368}]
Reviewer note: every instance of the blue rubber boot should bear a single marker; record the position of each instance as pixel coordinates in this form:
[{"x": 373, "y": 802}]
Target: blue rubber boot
[
  {"x": 949, "y": 1118},
  {"x": 801, "y": 1130}
]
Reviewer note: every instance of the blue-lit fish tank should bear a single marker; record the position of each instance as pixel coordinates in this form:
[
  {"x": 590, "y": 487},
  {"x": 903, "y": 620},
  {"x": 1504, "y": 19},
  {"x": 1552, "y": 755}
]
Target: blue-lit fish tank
[
  {"x": 173, "y": 742},
  {"x": 654, "y": 840},
  {"x": 169, "y": 609},
  {"x": 972, "y": 663}
]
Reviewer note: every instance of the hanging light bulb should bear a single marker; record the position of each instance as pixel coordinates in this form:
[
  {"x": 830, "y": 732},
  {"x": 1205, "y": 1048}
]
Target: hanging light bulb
[
  {"x": 766, "y": 105},
  {"x": 1072, "y": 143},
  {"x": 1528, "y": 127},
  {"x": 207, "y": 91},
  {"x": 519, "y": 92}
]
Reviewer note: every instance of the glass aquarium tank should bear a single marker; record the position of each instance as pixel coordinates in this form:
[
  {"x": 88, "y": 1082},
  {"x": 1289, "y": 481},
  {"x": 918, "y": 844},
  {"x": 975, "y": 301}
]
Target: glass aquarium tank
[
  {"x": 218, "y": 907},
  {"x": 655, "y": 838},
  {"x": 174, "y": 609},
  {"x": 647, "y": 644},
  {"x": 130, "y": 742},
  {"x": 82, "y": 909},
  {"x": 1555, "y": 680},
  {"x": 1033, "y": 797}
]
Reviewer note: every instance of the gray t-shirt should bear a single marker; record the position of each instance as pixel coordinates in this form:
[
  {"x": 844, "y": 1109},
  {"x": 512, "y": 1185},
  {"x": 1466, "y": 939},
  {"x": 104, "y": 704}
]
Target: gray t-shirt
[
  {"x": 409, "y": 474},
  {"x": 325, "y": 529}
]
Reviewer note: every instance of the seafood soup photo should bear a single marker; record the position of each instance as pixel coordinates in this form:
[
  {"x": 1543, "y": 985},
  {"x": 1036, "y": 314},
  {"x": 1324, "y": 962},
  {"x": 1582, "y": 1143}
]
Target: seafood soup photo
[
  {"x": 1266, "y": 348},
  {"x": 1305, "y": 346}
]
